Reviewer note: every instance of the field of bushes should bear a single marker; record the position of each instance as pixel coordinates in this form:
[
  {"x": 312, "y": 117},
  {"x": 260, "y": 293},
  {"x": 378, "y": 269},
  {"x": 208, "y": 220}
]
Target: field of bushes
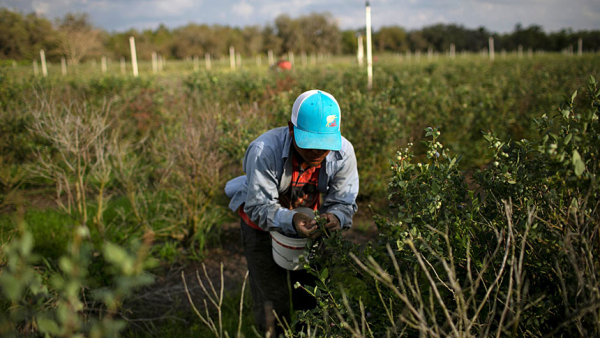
[{"x": 482, "y": 177}]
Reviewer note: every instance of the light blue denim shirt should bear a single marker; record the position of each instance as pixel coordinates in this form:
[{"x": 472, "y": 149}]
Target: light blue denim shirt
[{"x": 268, "y": 168}]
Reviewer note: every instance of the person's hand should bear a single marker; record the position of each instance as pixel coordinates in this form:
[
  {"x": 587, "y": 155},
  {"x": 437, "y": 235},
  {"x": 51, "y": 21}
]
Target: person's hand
[
  {"x": 305, "y": 226},
  {"x": 333, "y": 223}
]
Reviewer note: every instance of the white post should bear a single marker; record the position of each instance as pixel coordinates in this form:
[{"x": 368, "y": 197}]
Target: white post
[
  {"x": 520, "y": 51},
  {"x": 133, "y": 56},
  {"x": 580, "y": 47},
  {"x": 258, "y": 60},
  {"x": 43, "y": 60},
  {"x": 360, "y": 53},
  {"x": 231, "y": 57},
  {"x": 304, "y": 59},
  {"x": 123, "y": 65},
  {"x": 103, "y": 64},
  {"x": 35, "y": 68},
  {"x": 154, "y": 63},
  {"x": 369, "y": 52},
  {"x": 291, "y": 57},
  {"x": 63, "y": 65},
  {"x": 207, "y": 61},
  {"x": 491, "y": 47},
  {"x": 238, "y": 60},
  {"x": 271, "y": 59},
  {"x": 452, "y": 50}
]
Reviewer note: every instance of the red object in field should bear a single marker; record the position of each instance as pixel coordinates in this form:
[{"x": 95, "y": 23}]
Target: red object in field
[{"x": 284, "y": 65}]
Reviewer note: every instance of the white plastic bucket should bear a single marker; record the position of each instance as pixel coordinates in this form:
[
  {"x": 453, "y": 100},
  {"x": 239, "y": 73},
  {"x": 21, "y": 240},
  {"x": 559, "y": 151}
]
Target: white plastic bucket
[{"x": 287, "y": 250}]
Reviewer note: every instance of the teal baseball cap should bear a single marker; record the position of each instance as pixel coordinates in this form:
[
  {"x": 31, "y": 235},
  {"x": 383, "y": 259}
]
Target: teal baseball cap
[{"x": 316, "y": 119}]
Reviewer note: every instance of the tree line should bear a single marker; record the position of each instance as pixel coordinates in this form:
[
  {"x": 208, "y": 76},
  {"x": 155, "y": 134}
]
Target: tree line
[{"x": 75, "y": 37}]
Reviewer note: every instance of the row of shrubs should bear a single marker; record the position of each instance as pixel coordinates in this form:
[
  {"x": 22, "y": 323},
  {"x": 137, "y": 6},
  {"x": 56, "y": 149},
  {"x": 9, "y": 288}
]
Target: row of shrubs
[{"x": 511, "y": 251}]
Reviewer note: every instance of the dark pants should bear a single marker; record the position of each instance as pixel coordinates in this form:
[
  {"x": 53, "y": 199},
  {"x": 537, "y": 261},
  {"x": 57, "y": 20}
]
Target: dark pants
[{"x": 269, "y": 283}]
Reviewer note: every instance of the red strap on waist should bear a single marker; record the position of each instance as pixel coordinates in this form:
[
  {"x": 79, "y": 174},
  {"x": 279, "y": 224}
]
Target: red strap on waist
[{"x": 246, "y": 219}]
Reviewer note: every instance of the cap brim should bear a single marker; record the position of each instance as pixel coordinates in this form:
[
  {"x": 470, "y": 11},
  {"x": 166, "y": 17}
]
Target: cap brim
[{"x": 322, "y": 141}]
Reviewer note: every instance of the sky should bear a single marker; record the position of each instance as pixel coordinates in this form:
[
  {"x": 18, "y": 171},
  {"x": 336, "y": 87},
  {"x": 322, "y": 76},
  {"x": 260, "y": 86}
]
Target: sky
[{"x": 495, "y": 15}]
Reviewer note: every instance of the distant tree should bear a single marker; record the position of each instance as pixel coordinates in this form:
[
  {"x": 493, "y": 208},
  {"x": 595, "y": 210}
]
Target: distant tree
[
  {"x": 349, "y": 41},
  {"x": 271, "y": 41},
  {"x": 530, "y": 37},
  {"x": 253, "y": 39},
  {"x": 319, "y": 33},
  {"x": 391, "y": 38},
  {"x": 77, "y": 37},
  {"x": 24, "y": 36},
  {"x": 289, "y": 32},
  {"x": 416, "y": 41}
]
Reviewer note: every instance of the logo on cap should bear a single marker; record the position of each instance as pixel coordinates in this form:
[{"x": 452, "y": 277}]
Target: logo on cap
[{"x": 331, "y": 121}]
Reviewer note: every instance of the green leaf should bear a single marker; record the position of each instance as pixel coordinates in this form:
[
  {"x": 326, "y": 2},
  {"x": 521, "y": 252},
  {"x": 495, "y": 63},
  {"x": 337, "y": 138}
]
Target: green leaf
[
  {"x": 578, "y": 163},
  {"x": 573, "y": 96},
  {"x": 435, "y": 188},
  {"x": 114, "y": 253},
  {"x": 324, "y": 274},
  {"x": 452, "y": 163},
  {"x": 11, "y": 286},
  {"x": 48, "y": 326},
  {"x": 26, "y": 243},
  {"x": 568, "y": 138}
]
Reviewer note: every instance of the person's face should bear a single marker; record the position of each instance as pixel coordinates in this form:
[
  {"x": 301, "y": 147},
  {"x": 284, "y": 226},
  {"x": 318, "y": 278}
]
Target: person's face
[{"x": 312, "y": 157}]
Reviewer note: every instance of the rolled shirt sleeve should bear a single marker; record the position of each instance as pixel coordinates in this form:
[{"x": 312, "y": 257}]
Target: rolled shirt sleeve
[{"x": 340, "y": 199}]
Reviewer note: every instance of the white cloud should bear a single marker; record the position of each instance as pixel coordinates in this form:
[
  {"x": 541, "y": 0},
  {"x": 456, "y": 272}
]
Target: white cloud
[
  {"x": 173, "y": 7},
  {"x": 40, "y": 7},
  {"x": 243, "y": 9}
]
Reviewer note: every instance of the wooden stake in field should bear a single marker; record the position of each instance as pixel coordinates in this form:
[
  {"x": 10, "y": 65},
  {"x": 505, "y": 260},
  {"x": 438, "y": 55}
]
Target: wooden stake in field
[
  {"x": 579, "y": 47},
  {"x": 63, "y": 65},
  {"x": 133, "y": 56},
  {"x": 123, "y": 66},
  {"x": 35, "y": 68},
  {"x": 43, "y": 60},
  {"x": 369, "y": 52},
  {"x": 491, "y": 47},
  {"x": 520, "y": 51},
  {"x": 207, "y": 61},
  {"x": 452, "y": 51},
  {"x": 270, "y": 54},
  {"x": 154, "y": 63},
  {"x": 103, "y": 64},
  {"x": 360, "y": 53},
  {"x": 231, "y": 57}
]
